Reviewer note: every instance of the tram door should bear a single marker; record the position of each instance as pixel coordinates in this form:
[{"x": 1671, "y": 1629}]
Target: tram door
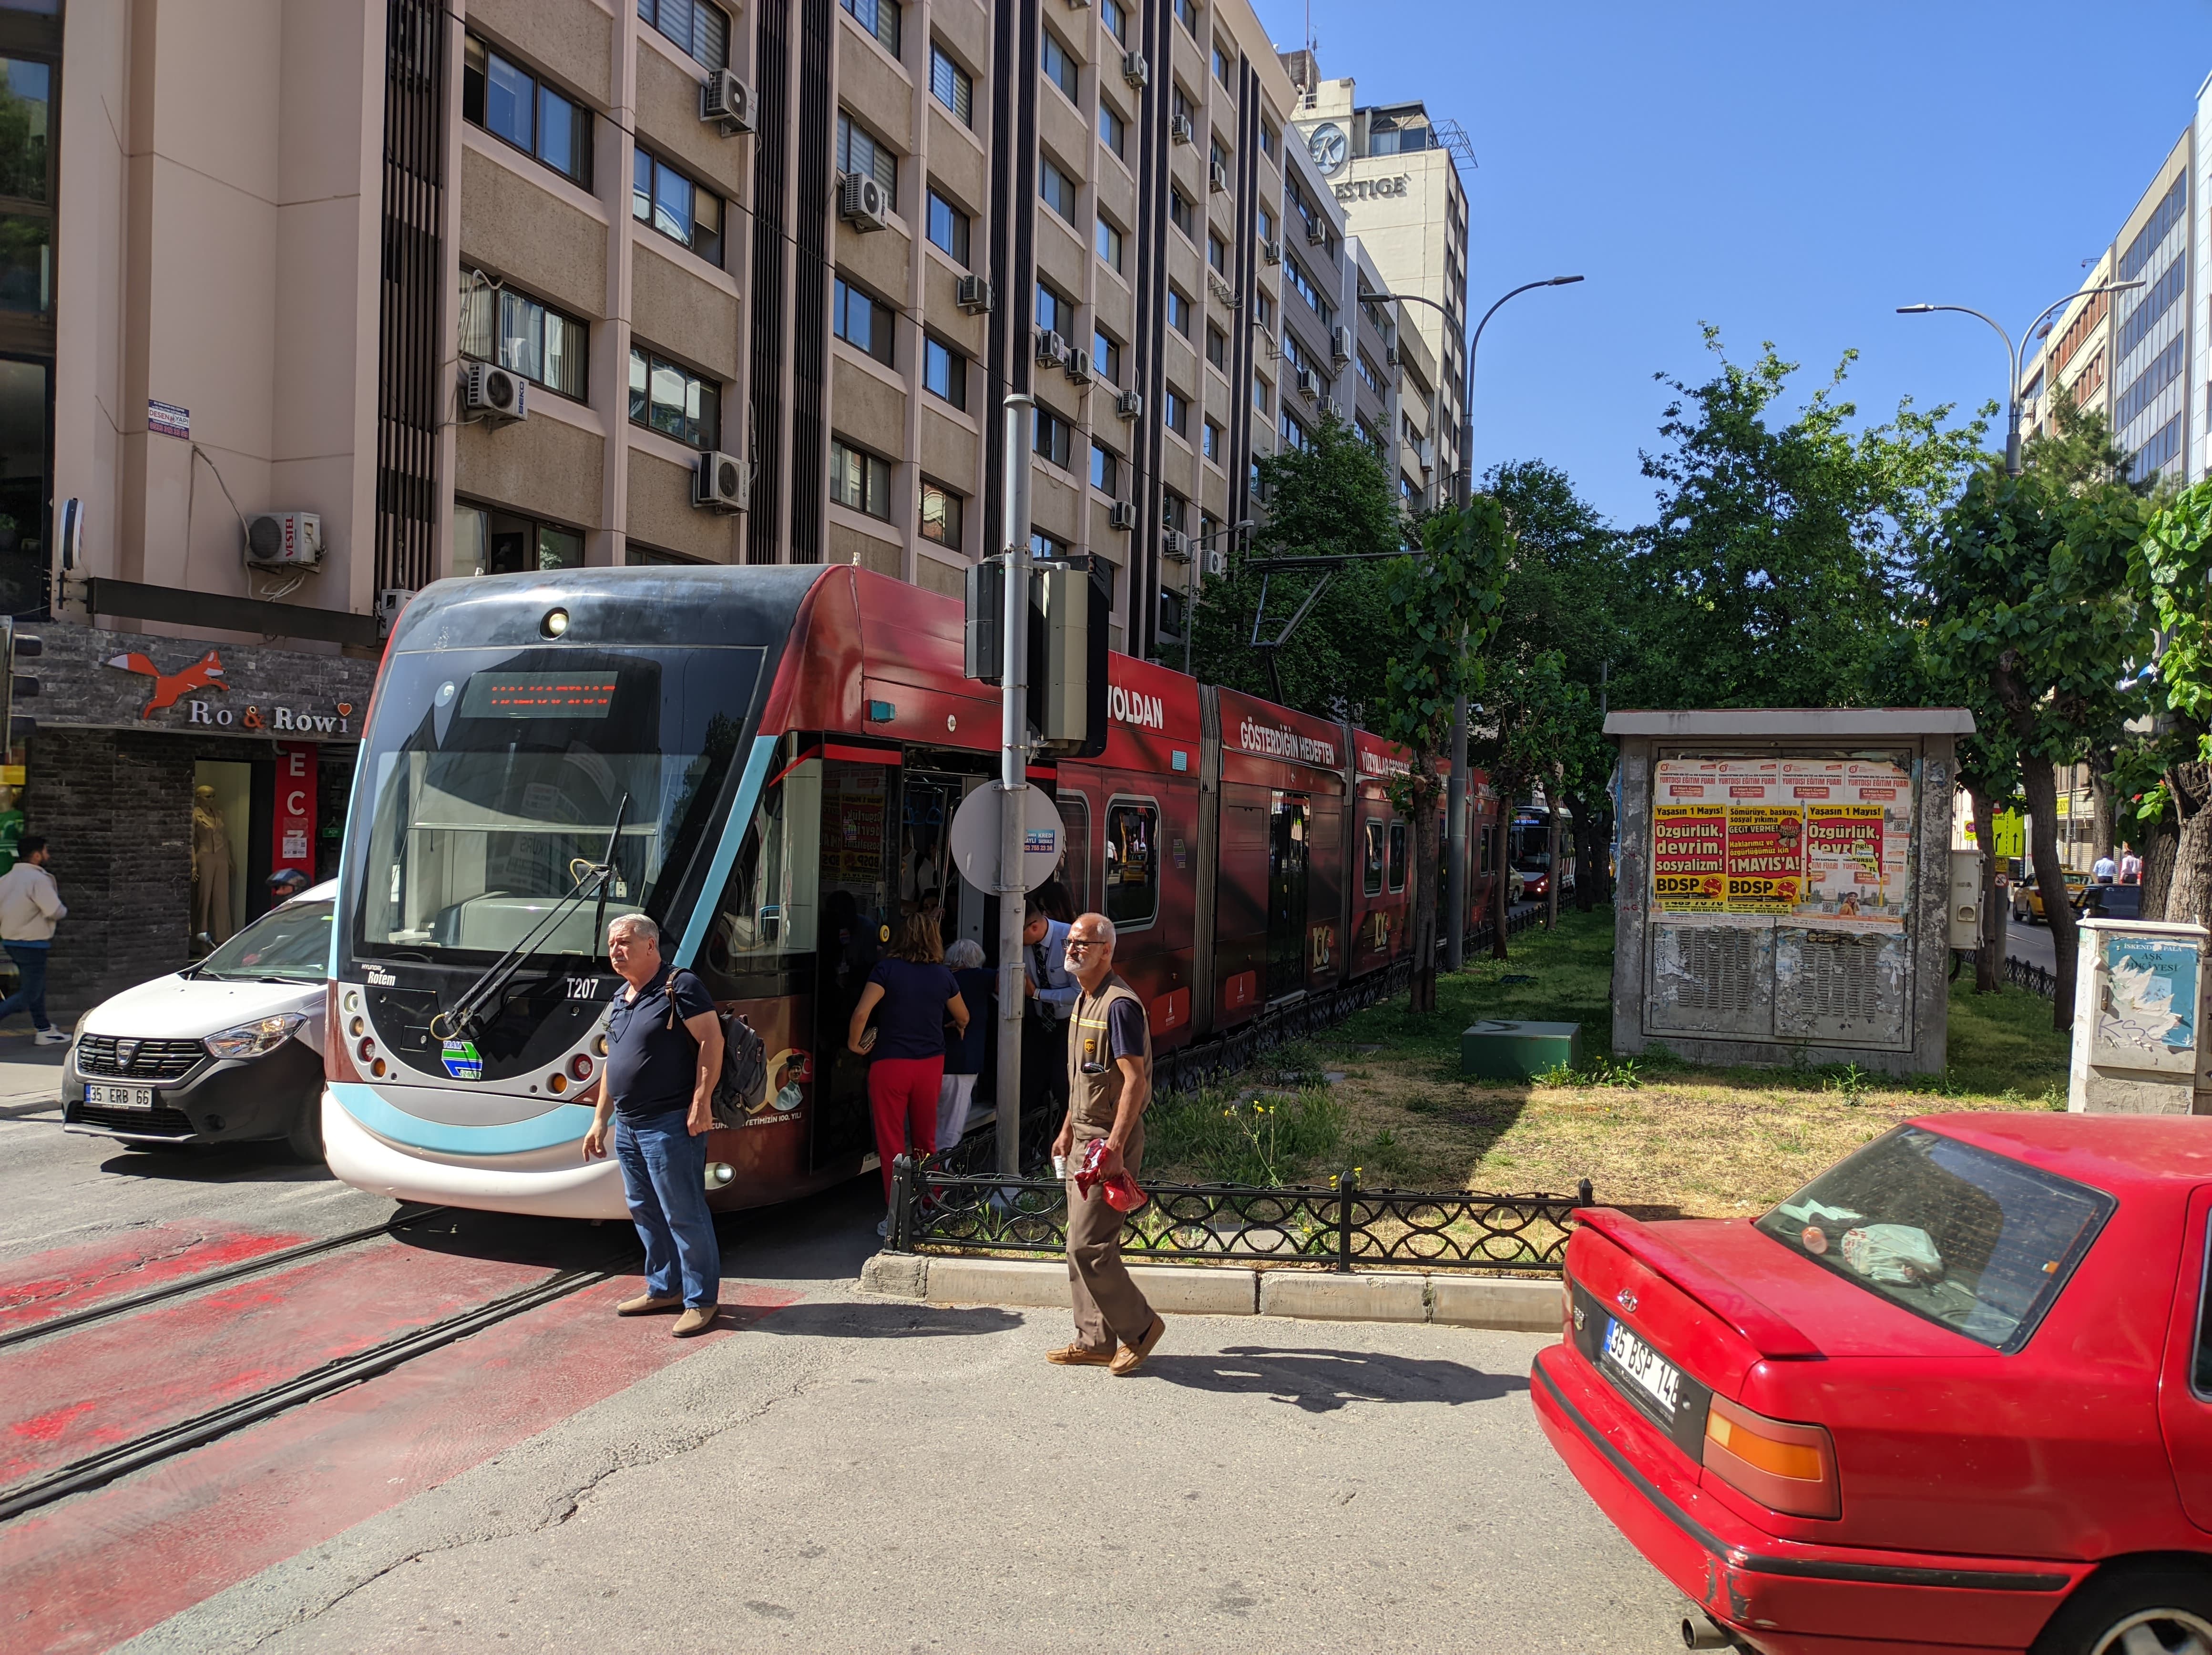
[
  {"x": 1290, "y": 836},
  {"x": 856, "y": 912}
]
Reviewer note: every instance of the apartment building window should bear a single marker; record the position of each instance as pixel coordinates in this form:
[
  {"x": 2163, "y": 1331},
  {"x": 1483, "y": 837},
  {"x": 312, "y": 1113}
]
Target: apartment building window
[
  {"x": 1180, "y": 213},
  {"x": 1259, "y": 394},
  {"x": 1216, "y": 152},
  {"x": 1113, "y": 131},
  {"x": 1059, "y": 66},
  {"x": 860, "y": 481},
  {"x": 1370, "y": 375},
  {"x": 1179, "y": 311},
  {"x": 1117, "y": 20},
  {"x": 511, "y": 103},
  {"x": 1046, "y": 545},
  {"x": 1211, "y": 447},
  {"x": 1294, "y": 433},
  {"x": 862, "y": 320},
  {"x": 948, "y": 227},
  {"x": 1217, "y": 253},
  {"x": 1174, "y": 510},
  {"x": 1217, "y": 347},
  {"x": 1105, "y": 469},
  {"x": 1263, "y": 309},
  {"x": 1367, "y": 434},
  {"x": 695, "y": 26},
  {"x": 944, "y": 515},
  {"x": 1179, "y": 105},
  {"x": 951, "y": 85},
  {"x": 1294, "y": 351},
  {"x": 1186, "y": 13},
  {"x": 944, "y": 371},
  {"x": 1176, "y": 413},
  {"x": 1309, "y": 292},
  {"x": 1109, "y": 243},
  {"x": 672, "y": 400},
  {"x": 1106, "y": 357},
  {"x": 538, "y": 343},
  {"x": 680, "y": 209},
  {"x": 1222, "y": 61},
  {"x": 880, "y": 18},
  {"x": 1054, "y": 437},
  {"x": 859, "y": 151},
  {"x": 1056, "y": 310},
  {"x": 1271, "y": 138},
  {"x": 1057, "y": 189},
  {"x": 489, "y": 541},
  {"x": 1264, "y": 222}
]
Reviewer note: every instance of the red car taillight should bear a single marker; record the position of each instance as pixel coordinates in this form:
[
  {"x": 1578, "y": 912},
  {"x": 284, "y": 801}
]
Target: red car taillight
[{"x": 1784, "y": 1467}]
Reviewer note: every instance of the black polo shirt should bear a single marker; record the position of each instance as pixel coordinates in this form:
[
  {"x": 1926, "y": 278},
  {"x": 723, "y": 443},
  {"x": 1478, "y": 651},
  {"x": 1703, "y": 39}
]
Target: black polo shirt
[{"x": 653, "y": 1062}]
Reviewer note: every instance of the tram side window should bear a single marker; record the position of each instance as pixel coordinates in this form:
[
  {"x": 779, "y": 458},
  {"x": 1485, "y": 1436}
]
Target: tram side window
[
  {"x": 1486, "y": 838},
  {"x": 1132, "y": 872},
  {"x": 1397, "y": 856},
  {"x": 767, "y": 906},
  {"x": 1075, "y": 860},
  {"x": 1371, "y": 862}
]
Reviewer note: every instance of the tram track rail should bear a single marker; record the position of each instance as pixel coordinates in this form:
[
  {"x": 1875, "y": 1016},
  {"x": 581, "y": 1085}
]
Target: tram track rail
[
  {"x": 96, "y": 1470},
  {"x": 185, "y": 1286}
]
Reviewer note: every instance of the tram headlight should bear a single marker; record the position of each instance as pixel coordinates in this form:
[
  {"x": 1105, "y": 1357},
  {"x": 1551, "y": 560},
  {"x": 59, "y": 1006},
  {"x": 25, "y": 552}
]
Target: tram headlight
[
  {"x": 554, "y": 623},
  {"x": 254, "y": 1039},
  {"x": 599, "y": 1046}
]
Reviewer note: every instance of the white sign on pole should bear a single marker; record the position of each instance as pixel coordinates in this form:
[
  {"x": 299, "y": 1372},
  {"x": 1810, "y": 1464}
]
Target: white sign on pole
[{"x": 975, "y": 838}]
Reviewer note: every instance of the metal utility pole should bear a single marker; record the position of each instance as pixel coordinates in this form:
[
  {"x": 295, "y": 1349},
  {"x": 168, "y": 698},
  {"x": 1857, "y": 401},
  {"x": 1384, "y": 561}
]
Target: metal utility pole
[
  {"x": 2011, "y": 354},
  {"x": 1013, "y": 781}
]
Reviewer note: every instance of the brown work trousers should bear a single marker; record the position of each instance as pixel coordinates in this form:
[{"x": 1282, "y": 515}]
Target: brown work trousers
[{"x": 1109, "y": 1306}]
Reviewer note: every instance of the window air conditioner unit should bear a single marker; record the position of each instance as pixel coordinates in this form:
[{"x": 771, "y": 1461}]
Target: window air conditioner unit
[
  {"x": 1333, "y": 408},
  {"x": 1390, "y": 356},
  {"x": 1078, "y": 367},
  {"x": 493, "y": 393},
  {"x": 1134, "y": 69},
  {"x": 1215, "y": 562},
  {"x": 1175, "y": 545},
  {"x": 1179, "y": 129},
  {"x": 1317, "y": 230},
  {"x": 1078, "y": 5},
  {"x": 727, "y": 100},
  {"x": 1123, "y": 515},
  {"x": 1130, "y": 404},
  {"x": 974, "y": 295},
  {"x": 1308, "y": 383},
  {"x": 1339, "y": 344},
  {"x": 1272, "y": 251},
  {"x": 1217, "y": 177},
  {"x": 720, "y": 483},
  {"x": 284, "y": 540},
  {"x": 1051, "y": 350},
  {"x": 863, "y": 202},
  {"x": 389, "y": 603}
]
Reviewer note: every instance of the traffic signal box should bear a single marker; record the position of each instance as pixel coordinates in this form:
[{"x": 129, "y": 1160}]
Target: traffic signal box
[{"x": 1069, "y": 609}]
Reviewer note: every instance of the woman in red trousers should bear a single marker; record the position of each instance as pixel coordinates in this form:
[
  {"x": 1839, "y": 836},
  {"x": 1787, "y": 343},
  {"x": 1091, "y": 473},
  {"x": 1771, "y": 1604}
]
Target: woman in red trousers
[{"x": 912, "y": 995}]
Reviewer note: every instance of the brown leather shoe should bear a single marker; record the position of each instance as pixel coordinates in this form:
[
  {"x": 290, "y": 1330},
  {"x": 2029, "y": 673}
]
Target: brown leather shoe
[
  {"x": 646, "y": 1305},
  {"x": 697, "y": 1319},
  {"x": 1133, "y": 1356},
  {"x": 1076, "y": 1355}
]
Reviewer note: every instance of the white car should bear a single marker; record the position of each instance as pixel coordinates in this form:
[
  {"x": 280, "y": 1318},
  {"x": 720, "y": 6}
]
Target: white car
[{"x": 227, "y": 1051}]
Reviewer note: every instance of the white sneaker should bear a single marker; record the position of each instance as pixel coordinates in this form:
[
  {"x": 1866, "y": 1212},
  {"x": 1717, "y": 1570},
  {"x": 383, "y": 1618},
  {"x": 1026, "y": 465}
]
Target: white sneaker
[
  {"x": 50, "y": 1037},
  {"x": 883, "y": 1228}
]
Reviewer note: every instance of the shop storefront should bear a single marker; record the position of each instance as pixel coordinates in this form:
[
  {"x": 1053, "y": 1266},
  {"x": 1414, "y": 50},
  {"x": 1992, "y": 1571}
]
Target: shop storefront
[{"x": 171, "y": 777}]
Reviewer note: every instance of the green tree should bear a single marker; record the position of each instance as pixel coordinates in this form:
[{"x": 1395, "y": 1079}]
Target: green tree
[
  {"x": 2171, "y": 567},
  {"x": 1444, "y": 605}
]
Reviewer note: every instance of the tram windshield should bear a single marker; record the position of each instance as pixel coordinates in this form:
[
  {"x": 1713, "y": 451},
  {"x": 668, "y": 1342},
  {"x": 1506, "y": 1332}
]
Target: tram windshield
[{"x": 495, "y": 778}]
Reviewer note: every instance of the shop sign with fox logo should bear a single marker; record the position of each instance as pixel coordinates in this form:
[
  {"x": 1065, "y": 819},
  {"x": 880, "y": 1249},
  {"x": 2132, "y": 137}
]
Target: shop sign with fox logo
[{"x": 100, "y": 679}]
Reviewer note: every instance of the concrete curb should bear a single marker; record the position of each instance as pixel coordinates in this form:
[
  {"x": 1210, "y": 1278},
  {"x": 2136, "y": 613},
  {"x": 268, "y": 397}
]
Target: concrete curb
[{"x": 1503, "y": 1304}]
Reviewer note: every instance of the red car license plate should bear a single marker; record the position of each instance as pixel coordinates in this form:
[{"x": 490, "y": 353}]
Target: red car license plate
[{"x": 1659, "y": 1390}]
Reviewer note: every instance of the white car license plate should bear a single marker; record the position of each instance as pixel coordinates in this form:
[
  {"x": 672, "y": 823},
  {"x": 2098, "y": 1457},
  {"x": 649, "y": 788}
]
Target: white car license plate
[
  {"x": 1644, "y": 1367},
  {"x": 119, "y": 1097}
]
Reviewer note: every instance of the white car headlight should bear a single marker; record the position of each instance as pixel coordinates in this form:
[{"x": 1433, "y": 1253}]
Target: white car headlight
[{"x": 256, "y": 1038}]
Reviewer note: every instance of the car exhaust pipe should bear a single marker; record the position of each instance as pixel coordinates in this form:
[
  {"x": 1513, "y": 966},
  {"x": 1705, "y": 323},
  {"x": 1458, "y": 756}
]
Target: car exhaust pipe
[{"x": 1699, "y": 1633}]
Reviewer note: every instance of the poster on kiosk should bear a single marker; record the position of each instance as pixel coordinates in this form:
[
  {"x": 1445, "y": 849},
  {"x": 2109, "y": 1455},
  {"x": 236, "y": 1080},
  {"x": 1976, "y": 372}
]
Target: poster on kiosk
[{"x": 2139, "y": 1008}]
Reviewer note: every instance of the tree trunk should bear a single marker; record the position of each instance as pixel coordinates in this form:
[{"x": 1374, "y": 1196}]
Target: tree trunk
[
  {"x": 1501, "y": 877},
  {"x": 2189, "y": 897},
  {"x": 1989, "y": 966},
  {"x": 2161, "y": 845},
  {"x": 1423, "y": 793},
  {"x": 2041, "y": 787},
  {"x": 1553, "y": 804},
  {"x": 2100, "y": 793}
]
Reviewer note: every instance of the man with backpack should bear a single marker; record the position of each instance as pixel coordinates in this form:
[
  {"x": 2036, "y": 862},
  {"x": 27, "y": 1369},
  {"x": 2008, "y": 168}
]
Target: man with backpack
[{"x": 664, "y": 1064}]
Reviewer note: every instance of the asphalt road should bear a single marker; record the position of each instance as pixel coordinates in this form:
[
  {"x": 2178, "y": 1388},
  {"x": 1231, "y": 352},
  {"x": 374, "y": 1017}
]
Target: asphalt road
[{"x": 823, "y": 1470}]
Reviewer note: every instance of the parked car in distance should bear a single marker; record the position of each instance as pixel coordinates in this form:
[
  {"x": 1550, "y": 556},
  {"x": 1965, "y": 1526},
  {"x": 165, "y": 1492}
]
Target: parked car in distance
[
  {"x": 227, "y": 1051},
  {"x": 1957, "y": 1390},
  {"x": 2110, "y": 902},
  {"x": 2027, "y": 899}
]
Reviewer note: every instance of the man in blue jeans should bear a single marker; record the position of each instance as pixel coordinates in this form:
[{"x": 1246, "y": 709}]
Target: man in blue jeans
[
  {"x": 30, "y": 906},
  {"x": 663, "y": 1055}
]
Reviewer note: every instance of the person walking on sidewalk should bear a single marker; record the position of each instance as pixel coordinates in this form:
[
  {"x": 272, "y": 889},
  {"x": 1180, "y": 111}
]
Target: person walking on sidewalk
[
  {"x": 30, "y": 905},
  {"x": 1109, "y": 1081},
  {"x": 663, "y": 1057},
  {"x": 917, "y": 995}
]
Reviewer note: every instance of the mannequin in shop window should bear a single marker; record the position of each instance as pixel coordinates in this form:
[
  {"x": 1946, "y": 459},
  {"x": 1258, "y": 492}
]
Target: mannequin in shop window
[{"x": 211, "y": 869}]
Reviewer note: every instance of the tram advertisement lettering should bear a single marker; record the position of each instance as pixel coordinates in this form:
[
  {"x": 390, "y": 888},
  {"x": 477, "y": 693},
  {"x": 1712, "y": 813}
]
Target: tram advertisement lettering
[
  {"x": 1689, "y": 857},
  {"x": 1765, "y": 857}
]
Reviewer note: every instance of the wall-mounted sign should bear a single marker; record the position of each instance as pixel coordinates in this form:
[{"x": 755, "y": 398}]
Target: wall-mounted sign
[
  {"x": 167, "y": 419},
  {"x": 1328, "y": 147},
  {"x": 293, "y": 844},
  {"x": 1374, "y": 189},
  {"x": 206, "y": 672}
]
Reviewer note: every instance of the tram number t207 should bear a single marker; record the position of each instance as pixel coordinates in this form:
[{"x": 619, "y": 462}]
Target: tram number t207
[{"x": 583, "y": 988}]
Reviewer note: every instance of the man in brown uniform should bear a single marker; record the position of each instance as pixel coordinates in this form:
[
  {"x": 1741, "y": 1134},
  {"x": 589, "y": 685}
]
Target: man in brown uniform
[{"x": 1110, "y": 1082}]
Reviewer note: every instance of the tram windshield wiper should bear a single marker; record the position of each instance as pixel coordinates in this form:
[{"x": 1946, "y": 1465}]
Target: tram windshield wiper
[{"x": 593, "y": 880}]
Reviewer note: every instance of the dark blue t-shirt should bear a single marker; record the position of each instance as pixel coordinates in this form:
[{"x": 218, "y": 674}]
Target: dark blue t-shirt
[
  {"x": 965, "y": 1056},
  {"x": 653, "y": 1062},
  {"x": 910, "y": 1020}
]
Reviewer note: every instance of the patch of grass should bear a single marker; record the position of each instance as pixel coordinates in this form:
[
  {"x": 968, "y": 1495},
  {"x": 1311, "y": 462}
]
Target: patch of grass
[{"x": 1215, "y": 1137}]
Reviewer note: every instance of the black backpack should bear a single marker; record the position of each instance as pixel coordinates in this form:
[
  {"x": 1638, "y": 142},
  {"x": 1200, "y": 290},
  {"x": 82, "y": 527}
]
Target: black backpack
[{"x": 743, "y": 1086}]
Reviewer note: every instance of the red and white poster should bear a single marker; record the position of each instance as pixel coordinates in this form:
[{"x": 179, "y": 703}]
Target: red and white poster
[
  {"x": 293, "y": 844},
  {"x": 1826, "y": 841}
]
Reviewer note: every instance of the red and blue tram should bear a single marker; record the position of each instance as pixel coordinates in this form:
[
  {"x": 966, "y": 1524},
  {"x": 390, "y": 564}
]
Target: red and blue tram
[{"x": 770, "y": 759}]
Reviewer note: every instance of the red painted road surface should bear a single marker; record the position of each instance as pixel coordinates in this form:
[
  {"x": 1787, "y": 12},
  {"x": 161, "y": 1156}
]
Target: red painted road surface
[
  {"x": 67, "y": 1279},
  {"x": 104, "y": 1565}
]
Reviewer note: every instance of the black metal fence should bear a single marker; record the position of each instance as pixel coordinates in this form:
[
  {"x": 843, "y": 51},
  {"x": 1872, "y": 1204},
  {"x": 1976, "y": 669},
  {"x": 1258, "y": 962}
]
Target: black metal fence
[
  {"x": 2033, "y": 977},
  {"x": 1340, "y": 1225}
]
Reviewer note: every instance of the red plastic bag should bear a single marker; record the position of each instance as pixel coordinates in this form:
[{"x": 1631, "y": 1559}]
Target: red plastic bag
[{"x": 1122, "y": 1194}]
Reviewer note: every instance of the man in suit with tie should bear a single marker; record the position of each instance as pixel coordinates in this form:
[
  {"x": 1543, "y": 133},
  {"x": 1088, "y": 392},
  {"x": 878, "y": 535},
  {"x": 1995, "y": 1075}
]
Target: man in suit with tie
[{"x": 1052, "y": 991}]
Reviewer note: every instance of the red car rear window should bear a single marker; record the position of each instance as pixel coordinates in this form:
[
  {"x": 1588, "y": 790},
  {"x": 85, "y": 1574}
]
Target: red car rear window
[{"x": 1973, "y": 1242}]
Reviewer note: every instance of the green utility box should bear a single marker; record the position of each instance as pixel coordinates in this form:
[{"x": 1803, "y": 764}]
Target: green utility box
[{"x": 1497, "y": 1050}]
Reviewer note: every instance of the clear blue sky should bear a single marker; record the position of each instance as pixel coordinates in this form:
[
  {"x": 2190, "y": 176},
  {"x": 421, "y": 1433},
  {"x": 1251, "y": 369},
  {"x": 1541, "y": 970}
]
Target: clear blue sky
[{"x": 1785, "y": 171}]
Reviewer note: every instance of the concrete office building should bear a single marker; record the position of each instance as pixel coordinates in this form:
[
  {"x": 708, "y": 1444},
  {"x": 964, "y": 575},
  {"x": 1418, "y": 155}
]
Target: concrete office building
[{"x": 1395, "y": 173}]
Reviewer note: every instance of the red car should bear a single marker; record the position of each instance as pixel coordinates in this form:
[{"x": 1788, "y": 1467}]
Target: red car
[{"x": 1956, "y": 1393}]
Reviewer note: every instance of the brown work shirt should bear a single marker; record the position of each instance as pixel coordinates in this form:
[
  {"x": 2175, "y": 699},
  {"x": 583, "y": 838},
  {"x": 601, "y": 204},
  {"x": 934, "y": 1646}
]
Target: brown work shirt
[{"x": 1107, "y": 1027}]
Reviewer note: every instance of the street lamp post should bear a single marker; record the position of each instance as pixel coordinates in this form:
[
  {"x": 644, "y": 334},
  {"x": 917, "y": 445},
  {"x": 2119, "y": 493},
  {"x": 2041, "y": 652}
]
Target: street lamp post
[
  {"x": 2011, "y": 354},
  {"x": 1191, "y": 587},
  {"x": 1455, "y": 784}
]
